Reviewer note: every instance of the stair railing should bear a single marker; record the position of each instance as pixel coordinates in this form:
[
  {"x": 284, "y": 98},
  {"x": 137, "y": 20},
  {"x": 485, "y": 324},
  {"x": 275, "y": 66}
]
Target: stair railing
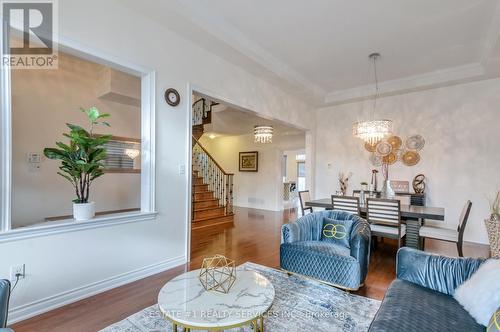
[
  {"x": 199, "y": 111},
  {"x": 218, "y": 180},
  {"x": 202, "y": 110}
]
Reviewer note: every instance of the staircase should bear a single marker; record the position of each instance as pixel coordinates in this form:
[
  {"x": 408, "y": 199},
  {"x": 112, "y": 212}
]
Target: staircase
[{"x": 212, "y": 187}]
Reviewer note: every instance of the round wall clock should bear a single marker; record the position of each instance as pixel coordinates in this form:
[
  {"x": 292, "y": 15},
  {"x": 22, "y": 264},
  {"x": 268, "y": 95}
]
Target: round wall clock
[{"x": 172, "y": 97}]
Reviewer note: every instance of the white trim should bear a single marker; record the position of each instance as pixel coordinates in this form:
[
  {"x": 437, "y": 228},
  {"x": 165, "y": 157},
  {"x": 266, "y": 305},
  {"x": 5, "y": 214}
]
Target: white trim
[
  {"x": 71, "y": 225},
  {"x": 38, "y": 307},
  {"x": 460, "y": 74},
  {"x": 189, "y": 166},
  {"x": 5, "y": 138},
  {"x": 148, "y": 142},
  {"x": 148, "y": 103}
]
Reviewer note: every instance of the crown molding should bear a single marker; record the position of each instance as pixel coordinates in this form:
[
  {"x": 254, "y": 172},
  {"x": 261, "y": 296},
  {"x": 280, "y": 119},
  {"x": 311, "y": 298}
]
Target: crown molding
[
  {"x": 455, "y": 75},
  {"x": 216, "y": 25}
]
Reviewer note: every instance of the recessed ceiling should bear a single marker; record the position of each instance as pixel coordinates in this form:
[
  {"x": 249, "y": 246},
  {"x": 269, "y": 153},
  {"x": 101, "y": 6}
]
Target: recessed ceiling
[{"x": 320, "y": 48}]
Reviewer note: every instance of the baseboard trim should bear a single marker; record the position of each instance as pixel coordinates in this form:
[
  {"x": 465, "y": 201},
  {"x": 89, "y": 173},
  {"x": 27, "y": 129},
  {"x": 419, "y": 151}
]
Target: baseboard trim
[{"x": 44, "y": 305}]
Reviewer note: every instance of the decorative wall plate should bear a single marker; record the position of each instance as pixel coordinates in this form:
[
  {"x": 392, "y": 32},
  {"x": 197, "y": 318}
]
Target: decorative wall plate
[
  {"x": 375, "y": 160},
  {"x": 383, "y": 149},
  {"x": 415, "y": 142},
  {"x": 410, "y": 158},
  {"x": 370, "y": 147},
  {"x": 390, "y": 159},
  {"x": 395, "y": 142}
]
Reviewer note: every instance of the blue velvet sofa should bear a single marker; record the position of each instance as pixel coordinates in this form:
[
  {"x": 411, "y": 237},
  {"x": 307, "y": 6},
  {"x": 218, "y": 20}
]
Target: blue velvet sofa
[
  {"x": 420, "y": 299},
  {"x": 303, "y": 251}
]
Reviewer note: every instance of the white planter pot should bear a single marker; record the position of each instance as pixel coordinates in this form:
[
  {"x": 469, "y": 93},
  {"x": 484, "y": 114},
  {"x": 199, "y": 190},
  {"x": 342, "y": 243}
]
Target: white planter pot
[{"x": 83, "y": 211}]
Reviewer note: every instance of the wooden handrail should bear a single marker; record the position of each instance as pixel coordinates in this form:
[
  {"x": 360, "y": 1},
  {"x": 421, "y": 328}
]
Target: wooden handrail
[{"x": 212, "y": 158}]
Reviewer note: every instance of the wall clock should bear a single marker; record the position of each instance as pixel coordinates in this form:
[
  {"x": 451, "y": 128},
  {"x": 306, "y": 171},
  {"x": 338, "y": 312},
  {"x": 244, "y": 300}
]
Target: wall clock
[{"x": 172, "y": 97}]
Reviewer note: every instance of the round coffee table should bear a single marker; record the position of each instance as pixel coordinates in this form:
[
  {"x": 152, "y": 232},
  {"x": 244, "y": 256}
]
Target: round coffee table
[{"x": 185, "y": 302}]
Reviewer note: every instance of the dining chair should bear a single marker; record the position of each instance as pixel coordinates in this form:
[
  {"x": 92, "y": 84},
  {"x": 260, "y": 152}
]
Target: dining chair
[
  {"x": 449, "y": 235},
  {"x": 384, "y": 216},
  {"x": 304, "y": 197},
  {"x": 346, "y": 203}
]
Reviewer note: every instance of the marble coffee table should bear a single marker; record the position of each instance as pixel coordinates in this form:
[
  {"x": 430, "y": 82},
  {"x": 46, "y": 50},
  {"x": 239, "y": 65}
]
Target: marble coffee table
[{"x": 185, "y": 302}]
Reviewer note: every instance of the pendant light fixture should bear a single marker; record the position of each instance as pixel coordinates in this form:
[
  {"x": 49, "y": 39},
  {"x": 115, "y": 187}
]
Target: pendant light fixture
[
  {"x": 373, "y": 131},
  {"x": 263, "y": 134}
]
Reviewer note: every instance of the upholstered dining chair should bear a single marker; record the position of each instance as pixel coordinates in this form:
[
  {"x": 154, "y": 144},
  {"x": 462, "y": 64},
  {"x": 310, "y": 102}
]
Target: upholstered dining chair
[
  {"x": 304, "y": 197},
  {"x": 346, "y": 203},
  {"x": 384, "y": 216},
  {"x": 4, "y": 304},
  {"x": 450, "y": 235}
]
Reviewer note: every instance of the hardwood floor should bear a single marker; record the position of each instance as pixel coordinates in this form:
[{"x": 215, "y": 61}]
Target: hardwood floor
[{"x": 254, "y": 237}]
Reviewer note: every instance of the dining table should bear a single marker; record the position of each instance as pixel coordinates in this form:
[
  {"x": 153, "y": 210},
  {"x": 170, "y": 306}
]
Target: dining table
[{"x": 413, "y": 216}]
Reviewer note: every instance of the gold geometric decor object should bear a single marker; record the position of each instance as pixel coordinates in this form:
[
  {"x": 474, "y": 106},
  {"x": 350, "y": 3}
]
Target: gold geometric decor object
[{"x": 217, "y": 273}]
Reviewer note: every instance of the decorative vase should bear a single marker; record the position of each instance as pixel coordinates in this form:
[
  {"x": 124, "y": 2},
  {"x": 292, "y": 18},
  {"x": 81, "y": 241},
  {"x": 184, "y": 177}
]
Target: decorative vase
[
  {"x": 493, "y": 229},
  {"x": 83, "y": 211},
  {"x": 387, "y": 191}
]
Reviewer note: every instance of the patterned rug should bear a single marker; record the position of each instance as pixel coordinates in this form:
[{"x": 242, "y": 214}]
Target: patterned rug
[{"x": 300, "y": 304}]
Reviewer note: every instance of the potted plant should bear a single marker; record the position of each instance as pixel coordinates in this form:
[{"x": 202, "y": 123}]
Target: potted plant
[
  {"x": 81, "y": 160},
  {"x": 364, "y": 186},
  {"x": 493, "y": 226}
]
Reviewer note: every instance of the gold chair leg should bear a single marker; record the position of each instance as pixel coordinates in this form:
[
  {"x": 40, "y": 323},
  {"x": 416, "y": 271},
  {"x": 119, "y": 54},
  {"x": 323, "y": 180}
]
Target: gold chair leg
[{"x": 261, "y": 324}]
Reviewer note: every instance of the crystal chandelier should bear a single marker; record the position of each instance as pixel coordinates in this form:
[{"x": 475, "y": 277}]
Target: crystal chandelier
[
  {"x": 263, "y": 134},
  {"x": 375, "y": 130}
]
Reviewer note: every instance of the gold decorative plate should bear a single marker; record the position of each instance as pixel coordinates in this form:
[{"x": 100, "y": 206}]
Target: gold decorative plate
[
  {"x": 390, "y": 159},
  {"x": 395, "y": 142},
  {"x": 415, "y": 142},
  {"x": 370, "y": 147},
  {"x": 410, "y": 158},
  {"x": 383, "y": 149}
]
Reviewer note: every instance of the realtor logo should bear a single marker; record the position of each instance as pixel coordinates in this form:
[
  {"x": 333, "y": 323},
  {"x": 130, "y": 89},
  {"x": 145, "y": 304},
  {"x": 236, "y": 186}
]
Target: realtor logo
[{"x": 29, "y": 36}]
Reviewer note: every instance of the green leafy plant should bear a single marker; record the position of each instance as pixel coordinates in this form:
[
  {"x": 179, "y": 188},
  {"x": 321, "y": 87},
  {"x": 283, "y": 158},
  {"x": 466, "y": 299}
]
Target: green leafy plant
[
  {"x": 81, "y": 160},
  {"x": 364, "y": 183}
]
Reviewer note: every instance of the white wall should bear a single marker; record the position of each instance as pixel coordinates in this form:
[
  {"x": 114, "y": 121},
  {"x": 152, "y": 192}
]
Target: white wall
[
  {"x": 43, "y": 101},
  {"x": 460, "y": 159},
  {"x": 60, "y": 265},
  {"x": 262, "y": 189},
  {"x": 291, "y": 164}
]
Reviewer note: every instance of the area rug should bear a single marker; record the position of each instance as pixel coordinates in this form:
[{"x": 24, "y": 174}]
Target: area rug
[{"x": 300, "y": 304}]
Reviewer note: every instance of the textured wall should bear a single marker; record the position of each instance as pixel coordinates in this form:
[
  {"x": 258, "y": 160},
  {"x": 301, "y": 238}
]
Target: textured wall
[{"x": 461, "y": 157}]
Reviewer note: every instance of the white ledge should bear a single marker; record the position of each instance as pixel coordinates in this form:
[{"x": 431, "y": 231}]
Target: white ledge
[{"x": 70, "y": 225}]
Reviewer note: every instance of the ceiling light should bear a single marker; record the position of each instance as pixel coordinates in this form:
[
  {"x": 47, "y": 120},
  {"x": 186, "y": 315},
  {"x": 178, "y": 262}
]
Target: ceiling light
[
  {"x": 212, "y": 136},
  {"x": 373, "y": 131},
  {"x": 263, "y": 134}
]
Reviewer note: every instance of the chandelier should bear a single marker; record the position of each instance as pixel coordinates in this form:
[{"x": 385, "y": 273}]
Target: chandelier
[
  {"x": 263, "y": 134},
  {"x": 373, "y": 131}
]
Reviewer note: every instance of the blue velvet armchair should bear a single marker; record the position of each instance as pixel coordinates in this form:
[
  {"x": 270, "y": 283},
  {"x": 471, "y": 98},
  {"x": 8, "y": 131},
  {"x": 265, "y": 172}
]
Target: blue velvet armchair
[
  {"x": 303, "y": 251},
  {"x": 4, "y": 304},
  {"x": 420, "y": 299}
]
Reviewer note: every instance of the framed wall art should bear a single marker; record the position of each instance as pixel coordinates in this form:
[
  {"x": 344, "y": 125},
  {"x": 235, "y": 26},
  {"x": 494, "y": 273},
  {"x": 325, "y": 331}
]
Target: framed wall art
[{"x": 249, "y": 161}]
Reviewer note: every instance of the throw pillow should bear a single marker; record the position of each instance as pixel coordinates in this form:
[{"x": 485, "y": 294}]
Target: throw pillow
[
  {"x": 480, "y": 295},
  {"x": 337, "y": 231},
  {"x": 494, "y": 324}
]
